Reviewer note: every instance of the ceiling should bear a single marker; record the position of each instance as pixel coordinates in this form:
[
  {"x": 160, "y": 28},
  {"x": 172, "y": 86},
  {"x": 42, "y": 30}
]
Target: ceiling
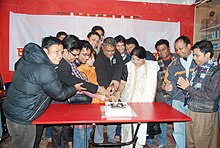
[{"x": 183, "y": 2}]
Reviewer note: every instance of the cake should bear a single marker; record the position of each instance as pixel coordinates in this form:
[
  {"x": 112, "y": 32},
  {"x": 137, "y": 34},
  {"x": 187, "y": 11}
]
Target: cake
[{"x": 117, "y": 109}]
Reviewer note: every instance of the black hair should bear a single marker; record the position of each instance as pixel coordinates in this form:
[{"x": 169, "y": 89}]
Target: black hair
[
  {"x": 71, "y": 42},
  {"x": 185, "y": 39},
  {"x": 95, "y": 28},
  {"x": 49, "y": 41},
  {"x": 60, "y": 33},
  {"x": 120, "y": 38},
  {"x": 140, "y": 52},
  {"x": 132, "y": 40},
  {"x": 161, "y": 42},
  {"x": 205, "y": 47},
  {"x": 85, "y": 44},
  {"x": 93, "y": 33}
]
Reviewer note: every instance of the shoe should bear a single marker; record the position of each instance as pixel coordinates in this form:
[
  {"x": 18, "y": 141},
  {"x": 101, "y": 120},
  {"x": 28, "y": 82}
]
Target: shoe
[
  {"x": 117, "y": 139},
  {"x": 162, "y": 146},
  {"x": 49, "y": 139},
  {"x": 70, "y": 144},
  {"x": 150, "y": 146}
]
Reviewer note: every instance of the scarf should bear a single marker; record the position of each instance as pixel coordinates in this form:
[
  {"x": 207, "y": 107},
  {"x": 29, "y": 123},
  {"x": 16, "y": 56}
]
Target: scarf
[
  {"x": 76, "y": 72},
  {"x": 201, "y": 71}
]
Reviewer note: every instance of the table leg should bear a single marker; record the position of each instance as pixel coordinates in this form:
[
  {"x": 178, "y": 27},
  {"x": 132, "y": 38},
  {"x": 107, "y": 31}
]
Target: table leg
[
  {"x": 133, "y": 141},
  {"x": 73, "y": 136},
  {"x": 135, "y": 134},
  {"x": 85, "y": 136}
]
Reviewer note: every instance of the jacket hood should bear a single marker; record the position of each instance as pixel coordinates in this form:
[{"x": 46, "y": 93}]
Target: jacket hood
[{"x": 34, "y": 53}]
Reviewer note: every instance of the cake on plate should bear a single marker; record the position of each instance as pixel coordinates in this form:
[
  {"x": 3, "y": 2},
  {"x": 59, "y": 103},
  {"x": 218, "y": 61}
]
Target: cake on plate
[{"x": 118, "y": 109}]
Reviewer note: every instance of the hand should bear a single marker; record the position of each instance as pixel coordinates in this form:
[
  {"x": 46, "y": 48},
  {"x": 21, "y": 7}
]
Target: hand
[
  {"x": 117, "y": 94},
  {"x": 78, "y": 87},
  {"x": 167, "y": 86},
  {"x": 115, "y": 84},
  {"x": 183, "y": 83},
  {"x": 114, "y": 98},
  {"x": 101, "y": 97},
  {"x": 103, "y": 91},
  {"x": 111, "y": 89},
  {"x": 163, "y": 86}
]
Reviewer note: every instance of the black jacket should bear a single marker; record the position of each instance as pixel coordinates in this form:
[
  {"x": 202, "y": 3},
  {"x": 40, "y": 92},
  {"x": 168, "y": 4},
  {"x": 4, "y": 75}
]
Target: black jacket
[
  {"x": 107, "y": 70},
  {"x": 35, "y": 81},
  {"x": 64, "y": 72}
]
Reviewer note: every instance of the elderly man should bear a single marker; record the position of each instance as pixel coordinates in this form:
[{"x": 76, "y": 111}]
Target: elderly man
[{"x": 109, "y": 65}]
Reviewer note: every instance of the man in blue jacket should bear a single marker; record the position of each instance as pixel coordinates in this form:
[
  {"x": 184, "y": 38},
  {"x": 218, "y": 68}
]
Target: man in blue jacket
[
  {"x": 182, "y": 66},
  {"x": 34, "y": 84}
]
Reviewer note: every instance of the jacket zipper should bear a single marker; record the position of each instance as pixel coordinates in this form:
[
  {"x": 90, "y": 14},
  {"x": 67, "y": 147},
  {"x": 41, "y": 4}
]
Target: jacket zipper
[{"x": 38, "y": 108}]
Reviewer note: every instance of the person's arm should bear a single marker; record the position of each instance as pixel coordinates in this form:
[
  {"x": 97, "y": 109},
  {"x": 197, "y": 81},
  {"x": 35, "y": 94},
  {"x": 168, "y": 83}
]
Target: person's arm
[
  {"x": 65, "y": 75},
  {"x": 117, "y": 94},
  {"x": 169, "y": 84},
  {"x": 210, "y": 93},
  {"x": 52, "y": 86},
  {"x": 122, "y": 84}
]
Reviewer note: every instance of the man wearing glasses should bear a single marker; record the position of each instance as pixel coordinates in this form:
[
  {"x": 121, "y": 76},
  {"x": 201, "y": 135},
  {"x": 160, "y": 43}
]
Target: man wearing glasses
[{"x": 69, "y": 75}]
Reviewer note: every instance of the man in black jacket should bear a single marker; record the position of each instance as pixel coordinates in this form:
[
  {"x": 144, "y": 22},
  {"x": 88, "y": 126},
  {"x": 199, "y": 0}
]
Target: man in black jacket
[
  {"x": 67, "y": 70},
  {"x": 109, "y": 65},
  {"x": 34, "y": 84},
  {"x": 69, "y": 75}
]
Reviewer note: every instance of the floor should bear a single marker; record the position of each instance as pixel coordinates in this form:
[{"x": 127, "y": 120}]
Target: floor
[{"x": 47, "y": 144}]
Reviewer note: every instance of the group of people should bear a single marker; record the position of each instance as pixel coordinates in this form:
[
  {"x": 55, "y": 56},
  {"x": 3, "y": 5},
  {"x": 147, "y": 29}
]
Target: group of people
[{"x": 65, "y": 69}]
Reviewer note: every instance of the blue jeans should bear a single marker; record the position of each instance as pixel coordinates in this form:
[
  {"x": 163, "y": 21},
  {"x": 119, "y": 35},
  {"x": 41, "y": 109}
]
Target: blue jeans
[
  {"x": 179, "y": 132},
  {"x": 118, "y": 130},
  {"x": 78, "y": 137},
  {"x": 48, "y": 132},
  {"x": 150, "y": 140},
  {"x": 162, "y": 138},
  {"x": 99, "y": 133}
]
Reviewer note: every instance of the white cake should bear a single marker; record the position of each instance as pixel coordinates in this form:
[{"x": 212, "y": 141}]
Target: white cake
[{"x": 118, "y": 109}]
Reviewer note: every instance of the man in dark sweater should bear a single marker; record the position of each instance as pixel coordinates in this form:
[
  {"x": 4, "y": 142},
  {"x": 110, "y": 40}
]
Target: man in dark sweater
[
  {"x": 109, "y": 65},
  {"x": 69, "y": 75}
]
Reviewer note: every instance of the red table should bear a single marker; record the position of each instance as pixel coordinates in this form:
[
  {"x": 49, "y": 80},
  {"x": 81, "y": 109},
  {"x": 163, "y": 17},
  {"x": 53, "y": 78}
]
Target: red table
[{"x": 90, "y": 113}]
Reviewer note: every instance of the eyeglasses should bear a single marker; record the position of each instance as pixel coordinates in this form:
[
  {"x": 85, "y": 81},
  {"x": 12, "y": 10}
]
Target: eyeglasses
[
  {"x": 86, "y": 55},
  {"x": 75, "y": 55}
]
